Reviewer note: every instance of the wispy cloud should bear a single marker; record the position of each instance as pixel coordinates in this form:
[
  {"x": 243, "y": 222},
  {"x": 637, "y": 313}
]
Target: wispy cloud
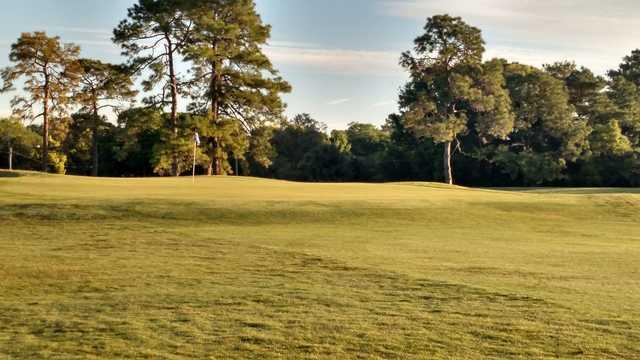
[
  {"x": 89, "y": 37},
  {"x": 292, "y": 44},
  {"x": 338, "y": 101},
  {"x": 384, "y": 103},
  {"x": 327, "y": 60},
  {"x": 81, "y": 30},
  {"x": 588, "y": 31}
]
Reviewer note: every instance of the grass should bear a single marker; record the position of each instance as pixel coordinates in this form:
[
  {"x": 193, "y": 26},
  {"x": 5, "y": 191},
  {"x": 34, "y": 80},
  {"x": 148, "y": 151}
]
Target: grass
[{"x": 262, "y": 269}]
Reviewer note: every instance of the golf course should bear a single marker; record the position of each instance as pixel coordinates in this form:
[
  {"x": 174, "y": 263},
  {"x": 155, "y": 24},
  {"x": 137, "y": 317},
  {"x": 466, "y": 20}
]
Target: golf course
[{"x": 233, "y": 267}]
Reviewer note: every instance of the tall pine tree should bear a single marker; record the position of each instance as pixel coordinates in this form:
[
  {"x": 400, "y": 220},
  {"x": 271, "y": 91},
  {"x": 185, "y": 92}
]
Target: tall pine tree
[
  {"x": 152, "y": 37},
  {"x": 449, "y": 87},
  {"x": 231, "y": 78},
  {"x": 49, "y": 69},
  {"x": 102, "y": 85}
]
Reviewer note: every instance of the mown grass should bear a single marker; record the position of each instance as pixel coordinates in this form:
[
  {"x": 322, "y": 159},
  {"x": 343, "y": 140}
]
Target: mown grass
[{"x": 249, "y": 268}]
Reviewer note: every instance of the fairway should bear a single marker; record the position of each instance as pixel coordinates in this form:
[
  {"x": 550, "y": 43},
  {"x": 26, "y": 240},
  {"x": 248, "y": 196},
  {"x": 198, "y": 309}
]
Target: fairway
[{"x": 233, "y": 267}]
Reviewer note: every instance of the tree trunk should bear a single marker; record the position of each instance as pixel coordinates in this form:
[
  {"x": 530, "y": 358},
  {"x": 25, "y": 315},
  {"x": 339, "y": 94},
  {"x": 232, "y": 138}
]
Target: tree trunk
[
  {"x": 448, "y": 173},
  {"x": 10, "y": 157},
  {"x": 236, "y": 160},
  {"x": 212, "y": 159},
  {"x": 215, "y": 109},
  {"x": 218, "y": 167},
  {"x": 94, "y": 140},
  {"x": 45, "y": 124},
  {"x": 174, "y": 105},
  {"x": 215, "y": 165}
]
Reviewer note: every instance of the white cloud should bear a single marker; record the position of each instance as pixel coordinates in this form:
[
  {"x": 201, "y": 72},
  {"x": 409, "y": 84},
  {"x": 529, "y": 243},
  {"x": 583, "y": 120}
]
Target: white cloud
[
  {"x": 314, "y": 58},
  {"x": 87, "y": 37},
  {"x": 292, "y": 44},
  {"x": 593, "y": 33},
  {"x": 338, "y": 101},
  {"x": 81, "y": 30},
  {"x": 384, "y": 103}
]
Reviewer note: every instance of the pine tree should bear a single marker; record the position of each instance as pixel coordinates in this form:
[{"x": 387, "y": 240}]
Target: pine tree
[
  {"x": 102, "y": 85},
  {"x": 449, "y": 85},
  {"x": 152, "y": 37},
  {"x": 49, "y": 70},
  {"x": 231, "y": 78}
]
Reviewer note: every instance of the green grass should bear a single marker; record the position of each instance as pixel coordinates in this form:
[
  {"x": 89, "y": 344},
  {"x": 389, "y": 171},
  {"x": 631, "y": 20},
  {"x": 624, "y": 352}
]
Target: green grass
[{"x": 249, "y": 268}]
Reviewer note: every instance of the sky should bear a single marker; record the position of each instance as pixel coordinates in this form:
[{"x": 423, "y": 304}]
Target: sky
[{"x": 341, "y": 56}]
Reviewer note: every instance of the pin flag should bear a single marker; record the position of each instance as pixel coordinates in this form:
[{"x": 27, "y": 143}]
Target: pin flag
[{"x": 196, "y": 138}]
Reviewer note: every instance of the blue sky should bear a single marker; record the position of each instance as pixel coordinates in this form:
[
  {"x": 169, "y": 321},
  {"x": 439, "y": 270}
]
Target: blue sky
[{"x": 341, "y": 55}]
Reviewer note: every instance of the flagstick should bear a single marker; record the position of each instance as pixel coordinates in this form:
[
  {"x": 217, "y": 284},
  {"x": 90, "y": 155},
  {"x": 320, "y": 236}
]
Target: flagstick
[{"x": 195, "y": 146}]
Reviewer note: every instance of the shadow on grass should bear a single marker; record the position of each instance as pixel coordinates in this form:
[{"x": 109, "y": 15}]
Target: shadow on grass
[
  {"x": 9, "y": 174},
  {"x": 4, "y": 173},
  {"x": 572, "y": 191},
  {"x": 251, "y": 300}
]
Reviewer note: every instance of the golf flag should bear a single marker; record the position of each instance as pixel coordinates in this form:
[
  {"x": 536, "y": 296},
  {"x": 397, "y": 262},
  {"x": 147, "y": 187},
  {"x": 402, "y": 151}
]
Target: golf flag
[{"x": 196, "y": 138}]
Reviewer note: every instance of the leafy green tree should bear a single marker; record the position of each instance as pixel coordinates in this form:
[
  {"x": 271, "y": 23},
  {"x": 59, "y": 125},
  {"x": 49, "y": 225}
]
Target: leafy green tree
[
  {"x": 609, "y": 139},
  {"x": 102, "y": 85},
  {"x": 227, "y": 137},
  {"x": 232, "y": 79},
  {"x": 166, "y": 152},
  {"x": 629, "y": 69},
  {"x": 49, "y": 71},
  {"x": 18, "y": 143},
  {"x": 610, "y": 109},
  {"x": 366, "y": 139},
  {"x": 340, "y": 139},
  {"x": 139, "y": 131},
  {"x": 292, "y": 141},
  {"x": 306, "y": 122},
  {"x": 261, "y": 152},
  {"x": 368, "y": 146},
  {"x": 408, "y": 157},
  {"x": 448, "y": 83},
  {"x": 583, "y": 86},
  {"x": 152, "y": 37},
  {"x": 77, "y": 144},
  {"x": 326, "y": 163},
  {"x": 547, "y": 133},
  {"x": 625, "y": 95}
]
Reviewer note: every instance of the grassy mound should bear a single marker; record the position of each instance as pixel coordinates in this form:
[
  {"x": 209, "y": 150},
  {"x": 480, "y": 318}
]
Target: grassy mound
[{"x": 251, "y": 268}]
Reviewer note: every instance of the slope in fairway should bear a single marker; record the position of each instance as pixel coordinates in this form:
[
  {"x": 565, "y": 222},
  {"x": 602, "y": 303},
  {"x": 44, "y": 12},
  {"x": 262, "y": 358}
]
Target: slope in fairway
[{"x": 249, "y": 268}]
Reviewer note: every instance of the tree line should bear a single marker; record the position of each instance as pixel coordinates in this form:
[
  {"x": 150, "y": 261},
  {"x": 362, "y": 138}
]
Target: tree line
[{"x": 482, "y": 123}]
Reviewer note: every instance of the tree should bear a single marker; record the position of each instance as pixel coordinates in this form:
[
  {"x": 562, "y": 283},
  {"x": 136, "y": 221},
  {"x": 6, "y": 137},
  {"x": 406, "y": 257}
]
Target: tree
[
  {"x": 261, "y": 151},
  {"x": 368, "y": 146},
  {"x": 584, "y": 87},
  {"x": 548, "y": 134},
  {"x": 139, "y": 131},
  {"x": 340, "y": 140},
  {"x": 230, "y": 140},
  {"x": 625, "y": 95},
  {"x": 326, "y": 163},
  {"x": 448, "y": 83},
  {"x": 49, "y": 69},
  {"x": 101, "y": 85},
  {"x": 291, "y": 142},
  {"x": 408, "y": 157},
  {"x": 17, "y": 141},
  {"x": 165, "y": 153},
  {"x": 629, "y": 68},
  {"x": 231, "y": 78},
  {"x": 152, "y": 37},
  {"x": 306, "y": 122}
]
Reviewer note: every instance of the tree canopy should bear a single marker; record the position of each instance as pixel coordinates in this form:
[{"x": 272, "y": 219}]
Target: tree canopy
[
  {"x": 489, "y": 122},
  {"x": 49, "y": 71}
]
